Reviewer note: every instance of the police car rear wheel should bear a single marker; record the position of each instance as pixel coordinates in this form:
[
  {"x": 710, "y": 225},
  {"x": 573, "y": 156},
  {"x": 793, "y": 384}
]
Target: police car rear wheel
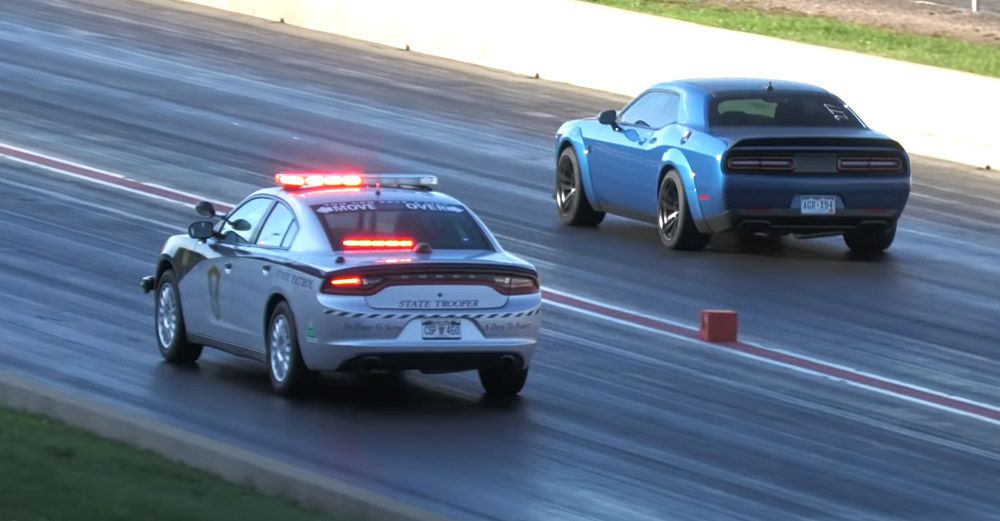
[
  {"x": 171, "y": 336},
  {"x": 284, "y": 360},
  {"x": 503, "y": 381},
  {"x": 571, "y": 200},
  {"x": 674, "y": 222}
]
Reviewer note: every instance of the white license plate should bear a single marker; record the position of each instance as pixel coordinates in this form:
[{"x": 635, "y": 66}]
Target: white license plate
[
  {"x": 818, "y": 205},
  {"x": 441, "y": 329}
]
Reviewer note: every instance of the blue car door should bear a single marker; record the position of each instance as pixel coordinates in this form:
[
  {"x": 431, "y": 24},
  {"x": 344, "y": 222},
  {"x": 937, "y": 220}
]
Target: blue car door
[{"x": 625, "y": 162}]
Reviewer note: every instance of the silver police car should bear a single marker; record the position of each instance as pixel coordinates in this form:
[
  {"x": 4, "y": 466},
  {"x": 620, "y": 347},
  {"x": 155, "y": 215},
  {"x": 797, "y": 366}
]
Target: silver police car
[{"x": 343, "y": 272}]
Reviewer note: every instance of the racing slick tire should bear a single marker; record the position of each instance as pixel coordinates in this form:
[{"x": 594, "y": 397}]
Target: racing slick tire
[
  {"x": 873, "y": 239},
  {"x": 673, "y": 217},
  {"x": 571, "y": 199},
  {"x": 288, "y": 372},
  {"x": 503, "y": 381},
  {"x": 171, "y": 336}
]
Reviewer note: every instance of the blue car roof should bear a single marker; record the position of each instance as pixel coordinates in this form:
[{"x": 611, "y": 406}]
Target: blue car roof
[{"x": 711, "y": 86}]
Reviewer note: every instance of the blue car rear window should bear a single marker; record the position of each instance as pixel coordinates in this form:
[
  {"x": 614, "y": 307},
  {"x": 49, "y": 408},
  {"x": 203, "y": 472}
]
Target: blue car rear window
[
  {"x": 780, "y": 110},
  {"x": 441, "y": 225}
]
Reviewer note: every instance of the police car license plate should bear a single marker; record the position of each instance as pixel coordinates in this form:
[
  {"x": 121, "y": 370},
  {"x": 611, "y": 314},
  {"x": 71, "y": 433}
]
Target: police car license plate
[
  {"x": 442, "y": 329},
  {"x": 818, "y": 205}
]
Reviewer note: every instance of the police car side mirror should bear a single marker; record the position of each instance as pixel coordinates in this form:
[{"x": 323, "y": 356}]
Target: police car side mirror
[
  {"x": 205, "y": 209},
  {"x": 201, "y": 230},
  {"x": 609, "y": 117}
]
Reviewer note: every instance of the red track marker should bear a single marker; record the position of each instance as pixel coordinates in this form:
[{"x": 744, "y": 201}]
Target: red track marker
[{"x": 718, "y": 326}]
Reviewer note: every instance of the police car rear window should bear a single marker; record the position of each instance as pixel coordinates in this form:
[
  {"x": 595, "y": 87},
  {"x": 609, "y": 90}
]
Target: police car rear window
[
  {"x": 443, "y": 226},
  {"x": 793, "y": 109}
]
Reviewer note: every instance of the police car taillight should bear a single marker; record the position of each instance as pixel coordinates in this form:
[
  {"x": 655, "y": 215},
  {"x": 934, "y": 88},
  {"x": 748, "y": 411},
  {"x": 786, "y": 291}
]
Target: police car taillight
[
  {"x": 350, "y": 285},
  {"x": 515, "y": 285}
]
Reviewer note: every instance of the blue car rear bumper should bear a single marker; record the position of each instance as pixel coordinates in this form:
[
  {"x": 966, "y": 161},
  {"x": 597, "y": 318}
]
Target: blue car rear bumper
[{"x": 771, "y": 202}]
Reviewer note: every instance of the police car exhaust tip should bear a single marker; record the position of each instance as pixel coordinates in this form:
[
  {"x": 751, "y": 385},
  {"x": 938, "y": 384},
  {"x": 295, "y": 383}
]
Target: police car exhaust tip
[
  {"x": 371, "y": 364},
  {"x": 507, "y": 361}
]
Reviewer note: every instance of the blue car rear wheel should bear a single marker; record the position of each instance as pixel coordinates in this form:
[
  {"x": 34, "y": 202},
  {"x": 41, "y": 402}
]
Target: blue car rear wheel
[
  {"x": 571, "y": 199},
  {"x": 674, "y": 221},
  {"x": 873, "y": 239}
]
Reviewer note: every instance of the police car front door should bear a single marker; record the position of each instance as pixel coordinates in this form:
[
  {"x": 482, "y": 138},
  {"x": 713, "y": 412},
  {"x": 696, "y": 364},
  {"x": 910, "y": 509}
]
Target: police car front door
[{"x": 229, "y": 273}]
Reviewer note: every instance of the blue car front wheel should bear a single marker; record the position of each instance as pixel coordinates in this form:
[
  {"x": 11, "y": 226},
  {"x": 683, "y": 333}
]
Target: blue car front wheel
[{"x": 674, "y": 221}]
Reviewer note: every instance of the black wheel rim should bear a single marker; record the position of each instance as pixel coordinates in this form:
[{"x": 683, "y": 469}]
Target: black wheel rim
[
  {"x": 565, "y": 186},
  {"x": 669, "y": 214}
]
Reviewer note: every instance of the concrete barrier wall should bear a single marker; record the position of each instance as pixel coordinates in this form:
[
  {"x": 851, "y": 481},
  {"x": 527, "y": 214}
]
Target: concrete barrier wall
[{"x": 934, "y": 112}]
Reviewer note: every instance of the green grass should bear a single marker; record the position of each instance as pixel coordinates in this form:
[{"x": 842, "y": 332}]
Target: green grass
[
  {"x": 978, "y": 58},
  {"x": 50, "y": 471}
]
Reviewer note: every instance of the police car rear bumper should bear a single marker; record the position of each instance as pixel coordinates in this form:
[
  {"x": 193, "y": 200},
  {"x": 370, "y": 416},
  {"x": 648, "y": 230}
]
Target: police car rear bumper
[{"x": 440, "y": 356}]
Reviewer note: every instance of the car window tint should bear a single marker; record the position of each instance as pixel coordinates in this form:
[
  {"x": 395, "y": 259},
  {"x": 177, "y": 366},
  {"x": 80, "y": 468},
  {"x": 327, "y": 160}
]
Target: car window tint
[
  {"x": 652, "y": 110},
  {"x": 252, "y": 212},
  {"x": 441, "y": 225},
  {"x": 794, "y": 109},
  {"x": 272, "y": 234}
]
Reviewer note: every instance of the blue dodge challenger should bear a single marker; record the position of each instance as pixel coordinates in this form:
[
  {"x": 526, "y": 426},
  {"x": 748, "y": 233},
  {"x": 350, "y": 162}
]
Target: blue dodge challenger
[{"x": 698, "y": 157}]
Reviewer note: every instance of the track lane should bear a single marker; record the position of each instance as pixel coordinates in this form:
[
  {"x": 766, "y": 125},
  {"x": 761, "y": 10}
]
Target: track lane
[
  {"x": 568, "y": 301},
  {"x": 707, "y": 441}
]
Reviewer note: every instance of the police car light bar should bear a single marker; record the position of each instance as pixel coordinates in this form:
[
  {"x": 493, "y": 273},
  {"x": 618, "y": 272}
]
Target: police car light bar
[{"x": 318, "y": 179}]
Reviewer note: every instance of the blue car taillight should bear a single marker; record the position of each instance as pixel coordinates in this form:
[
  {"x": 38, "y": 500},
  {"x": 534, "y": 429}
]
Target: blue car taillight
[
  {"x": 756, "y": 164},
  {"x": 869, "y": 164}
]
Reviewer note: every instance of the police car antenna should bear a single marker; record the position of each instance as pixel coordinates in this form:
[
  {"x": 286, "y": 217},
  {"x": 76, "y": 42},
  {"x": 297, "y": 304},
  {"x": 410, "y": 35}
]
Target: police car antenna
[{"x": 769, "y": 87}]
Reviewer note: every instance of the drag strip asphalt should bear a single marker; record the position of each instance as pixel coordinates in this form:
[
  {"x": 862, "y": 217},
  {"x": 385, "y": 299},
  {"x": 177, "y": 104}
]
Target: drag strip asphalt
[
  {"x": 571, "y": 302},
  {"x": 616, "y": 422}
]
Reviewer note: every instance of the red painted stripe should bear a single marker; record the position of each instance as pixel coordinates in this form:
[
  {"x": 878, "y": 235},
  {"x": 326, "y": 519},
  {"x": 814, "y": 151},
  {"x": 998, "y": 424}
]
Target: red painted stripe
[
  {"x": 593, "y": 307},
  {"x": 98, "y": 176}
]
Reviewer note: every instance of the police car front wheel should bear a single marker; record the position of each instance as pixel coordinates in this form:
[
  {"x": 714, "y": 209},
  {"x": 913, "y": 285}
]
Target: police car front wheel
[{"x": 171, "y": 336}]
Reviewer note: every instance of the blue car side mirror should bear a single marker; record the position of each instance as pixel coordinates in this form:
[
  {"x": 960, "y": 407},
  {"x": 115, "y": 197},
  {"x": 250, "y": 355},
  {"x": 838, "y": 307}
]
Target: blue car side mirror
[{"x": 609, "y": 117}]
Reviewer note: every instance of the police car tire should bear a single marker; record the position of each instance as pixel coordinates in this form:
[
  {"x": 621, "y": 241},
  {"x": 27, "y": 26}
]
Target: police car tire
[
  {"x": 579, "y": 212},
  {"x": 503, "y": 381},
  {"x": 686, "y": 236},
  {"x": 298, "y": 374},
  {"x": 180, "y": 351},
  {"x": 870, "y": 240}
]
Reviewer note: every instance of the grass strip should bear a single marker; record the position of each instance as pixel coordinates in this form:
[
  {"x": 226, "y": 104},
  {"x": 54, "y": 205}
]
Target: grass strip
[
  {"x": 977, "y": 58},
  {"x": 51, "y": 471}
]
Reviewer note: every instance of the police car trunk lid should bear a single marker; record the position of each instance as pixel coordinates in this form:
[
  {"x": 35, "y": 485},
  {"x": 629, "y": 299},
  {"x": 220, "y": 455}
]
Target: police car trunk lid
[{"x": 441, "y": 285}]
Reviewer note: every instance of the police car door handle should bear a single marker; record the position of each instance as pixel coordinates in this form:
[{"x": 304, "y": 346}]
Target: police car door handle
[
  {"x": 229, "y": 267},
  {"x": 265, "y": 269}
]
